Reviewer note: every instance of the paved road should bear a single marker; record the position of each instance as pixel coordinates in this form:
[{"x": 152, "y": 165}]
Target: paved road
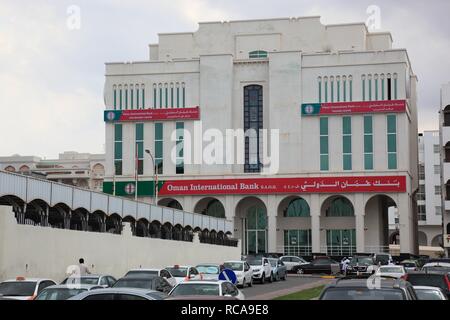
[{"x": 294, "y": 283}]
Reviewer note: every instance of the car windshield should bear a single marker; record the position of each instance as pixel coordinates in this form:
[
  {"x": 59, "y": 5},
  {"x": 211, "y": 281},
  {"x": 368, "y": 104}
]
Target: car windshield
[
  {"x": 362, "y": 294},
  {"x": 437, "y": 269},
  {"x": 82, "y": 280},
  {"x": 384, "y": 259},
  {"x": 235, "y": 266},
  {"x": 178, "y": 272},
  {"x": 408, "y": 264},
  {"x": 273, "y": 263},
  {"x": 391, "y": 270},
  {"x": 428, "y": 294},
  {"x": 256, "y": 262},
  {"x": 145, "y": 283},
  {"x": 18, "y": 288},
  {"x": 59, "y": 294},
  {"x": 143, "y": 273},
  {"x": 431, "y": 280},
  {"x": 361, "y": 260},
  {"x": 208, "y": 269},
  {"x": 203, "y": 289}
]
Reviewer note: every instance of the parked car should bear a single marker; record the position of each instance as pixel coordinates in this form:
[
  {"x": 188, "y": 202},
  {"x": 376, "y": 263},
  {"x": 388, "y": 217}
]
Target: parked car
[
  {"x": 120, "y": 294},
  {"x": 23, "y": 288},
  {"x": 278, "y": 269},
  {"x": 64, "y": 291},
  {"x": 434, "y": 279},
  {"x": 156, "y": 283},
  {"x": 184, "y": 273},
  {"x": 357, "y": 289},
  {"x": 410, "y": 265},
  {"x": 151, "y": 273},
  {"x": 361, "y": 266},
  {"x": 262, "y": 270},
  {"x": 391, "y": 271},
  {"x": 319, "y": 265},
  {"x": 292, "y": 261},
  {"x": 430, "y": 293},
  {"x": 207, "y": 288},
  {"x": 383, "y": 259},
  {"x": 106, "y": 281},
  {"x": 209, "y": 271},
  {"x": 243, "y": 271},
  {"x": 438, "y": 267},
  {"x": 200, "y": 297}
]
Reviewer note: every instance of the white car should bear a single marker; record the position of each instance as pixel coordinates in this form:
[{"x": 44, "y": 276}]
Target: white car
[
  {"x": 207, "y": 288},
  {"x": 24, "y": 288},
  {"x": 184, "y": 273},
  {"x": 395, "y": 271},
  {"x": 430, "y": 293},
  {"x": 243, "y": 271},
  {"x": 262, "y": 270},
  {"x": 291, "y": 261},
  {"x": 164, "y": 273},
  {"x": 209, "y": 271}
]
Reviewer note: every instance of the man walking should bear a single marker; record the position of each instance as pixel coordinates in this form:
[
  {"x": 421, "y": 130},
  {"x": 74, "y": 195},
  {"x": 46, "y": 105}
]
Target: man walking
[{"x": 84, "y": 270}]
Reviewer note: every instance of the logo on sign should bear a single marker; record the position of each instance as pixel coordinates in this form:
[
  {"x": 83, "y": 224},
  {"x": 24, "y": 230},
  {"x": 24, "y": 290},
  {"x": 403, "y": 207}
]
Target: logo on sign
[
  {"x": 110, "y": 116},
  {"x": 309, "y": 109},
  {"x": 130, "y": 188}
]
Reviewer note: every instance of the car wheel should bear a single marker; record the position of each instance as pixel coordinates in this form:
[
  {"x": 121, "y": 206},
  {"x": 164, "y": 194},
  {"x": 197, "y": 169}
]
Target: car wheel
[
  {"x": 250, "y": 284},
  {"x": 263, "y": 278},
  {"x": 277, "y": 277},
  {"x": 300, "y": 271},
  {"x": 284, "y": 277},
  {"x": 271, "y": 278}
]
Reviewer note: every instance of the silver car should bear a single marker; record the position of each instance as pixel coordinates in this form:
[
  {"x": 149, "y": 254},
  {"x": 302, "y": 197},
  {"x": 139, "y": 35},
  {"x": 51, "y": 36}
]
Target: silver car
[
  {"x": 64, "y": 291},
  {"x": 120, "y": 294},
  {"x": 209, "y": 271}
]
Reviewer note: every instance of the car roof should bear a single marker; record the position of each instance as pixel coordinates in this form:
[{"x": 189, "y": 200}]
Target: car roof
[
  {"x": 29, "y": 280},
  {"x": 437, "y": 264},
  {"x": 357, "y": 283},
  {"x": 204, "y": 281},
  {"x": 126, "y": 290},
  {"x": 78, "y": 286},
  {"x": 179, "y": 267},
  {"x": 145, "y": 269},
  {"x": 235, "y": 261},
  {"x": 200, "y": 297},
  {"x": 208, "y": 264},
  {"x": 427, "y": 288}
]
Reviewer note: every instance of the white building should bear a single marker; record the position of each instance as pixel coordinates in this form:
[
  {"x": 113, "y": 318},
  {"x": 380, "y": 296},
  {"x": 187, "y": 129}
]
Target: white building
[
  {"x": 444, "y": 127},
  {"x": 83, "y": 170},
  {"x": 343, "y": 100}
]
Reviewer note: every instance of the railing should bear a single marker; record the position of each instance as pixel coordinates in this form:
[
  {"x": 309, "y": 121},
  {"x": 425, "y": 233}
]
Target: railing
[
  {"x": 295, "y": 250},
  {"x": 376, "y": 249},
  {"x": 338, "y": 250}
]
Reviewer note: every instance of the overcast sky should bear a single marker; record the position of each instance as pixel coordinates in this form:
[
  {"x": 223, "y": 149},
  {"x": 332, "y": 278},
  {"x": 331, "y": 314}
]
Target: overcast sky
[{"x": 52, "y": 76}]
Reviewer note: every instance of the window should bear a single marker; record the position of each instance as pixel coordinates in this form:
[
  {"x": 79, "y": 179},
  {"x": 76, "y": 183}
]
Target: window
[
  {"x": 368, "y": 143},
  {"x": 363, "y": 86},
  {"x": 338, "y": 88},
  {"x": 115, "y": 97},
  {"x": 178, "y": 94},
  {"x": 120, "y": 97},
  {"x": 437, "y": 190},
  {"x": 436, "y": 148},
  {"x": 382, "y": 86},
  {"x": 324, "y": 163},
  {"x": 253, "y": 122},
  {"x": 143, "y": 96},
  {"x": 350, "y": 80},
  {"x": 421, "y": 172},
  {"x": 347, "y": 143},
  {"x": 319, "y": 83},
  {"x": 126, "y": 97},
  {"x": 370, "y": 87},
  {"x": 438, "y": 210},
  {"x": 376, "y": 86},
  {"x": 118, "y": 149},
  {"x": 395, "y": 86},
  {"x": 332, "y": 88},
  {"x": 421, "y": 192},
  {"x": 325, "y": 83},
  {"x": 166, "y": 96},
  {"x": 421, "y": 212},
  {"x": 171, "y": 96},
  {"x": 180, "y": 146},
  {"x": 159, "y": 147},
  {"x": 155, "y": 96},
  {"x": 344, "y": 88},
  {"x": 297, "y": 242},
  {"x": 184, "y": 95},
  {"x": 257, "y": 54},
  {"x": 297, "y": 208},
  {"x": 392, "y": 141},
  {"x": 160, "y": 96},
  {"x": 437, "y": 169},
  {"x": 137, "y": 96},
  {"x": 140, "y": 148},
  {"x": 389, "y": 87},
  {"x": 132, "y": 97},
  {"x": 340, "y": 207}
]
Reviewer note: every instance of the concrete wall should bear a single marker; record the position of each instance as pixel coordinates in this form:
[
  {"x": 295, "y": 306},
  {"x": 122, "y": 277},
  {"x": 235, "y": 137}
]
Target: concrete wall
[{"x": 45, "y": 252}]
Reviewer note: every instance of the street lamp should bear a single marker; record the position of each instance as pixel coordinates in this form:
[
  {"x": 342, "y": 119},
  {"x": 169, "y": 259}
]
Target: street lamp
[{"x": 155, "y": 174}]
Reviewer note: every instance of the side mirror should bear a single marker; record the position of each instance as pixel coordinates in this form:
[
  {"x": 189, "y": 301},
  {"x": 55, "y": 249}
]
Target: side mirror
[
  {"x": 266, "y": 264},
  {"x": 192, "y": 276}
]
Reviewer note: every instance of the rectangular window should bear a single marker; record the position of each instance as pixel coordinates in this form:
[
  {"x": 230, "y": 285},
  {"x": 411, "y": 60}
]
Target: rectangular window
[
  {"x": 368, "y": 143},
  {"x": 137, "y": 97},
  {"x": 184, "y": 97},
  {"x": 437, "y": 190},
  {"x": 120, "y": 99},
  {"x": 436, "y": 148},
  {"x": 438, "y": 210},
  {"x": 139, "y": 148},
  {"x": 319, "y": 83},
  {"x": 118, "y": 149},
  {"x": 395, "y": 88},
  {"x": 160, "y": 96},
  {"x": 324, "y": 161},
  {"x": 143, "y": 98},
  {"x": 159, "y": 147},
  {"x": 347, "y": 142},
  {"x": 344, "y": 91},
  {"x": 155, "y": 96},
  {"x": 421, "y": 192},
  {"x": 421, "y": 212},
  {"x": 297, "y": 242},
  {"x": 180, "y": 146},
  {"x": 166, "y": 90},
  {"x": 421, "y": 172},
  {"x": 132, "y": 99},
  {"x": 382, "y": 87},
  {"x": 389, "y": 88},
  {"x": 338, "y": 89},
  {"x": 171, "y": 96},
  {"x": 115, "y": 99},
  {"x": 126, "y": 98},
  {"x": 350, "y": 90},
  {"x": 326, "y": 89},
  {"x": 178, "y": 95},
  {"x": 392, "y": 141},
  {"x": 332, "y": 89},
  {"x": 437, "y": 169},
  {"x": 370, "y": 88},
  {"x": 376, "y": 88},
  {"x": 364, "y": 89}
]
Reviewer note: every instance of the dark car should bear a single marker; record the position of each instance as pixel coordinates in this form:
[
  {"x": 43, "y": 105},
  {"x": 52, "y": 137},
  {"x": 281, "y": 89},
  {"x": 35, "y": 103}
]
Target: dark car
[
  {"x": 377, "y": 289},
  {"x": 361, "y": 266},
  {"x": 434, "y": 279},
  {"x": 319, "y": 265},
  {"x": 152, "y": 283}
]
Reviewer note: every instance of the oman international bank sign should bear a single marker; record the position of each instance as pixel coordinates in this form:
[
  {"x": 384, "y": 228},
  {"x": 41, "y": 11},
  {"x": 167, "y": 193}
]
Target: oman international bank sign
[{"x": 357, "y": 107}]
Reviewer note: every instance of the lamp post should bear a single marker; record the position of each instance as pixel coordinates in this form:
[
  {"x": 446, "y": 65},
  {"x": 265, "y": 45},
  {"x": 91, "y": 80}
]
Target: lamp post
[{"x": 155, "y": 176}]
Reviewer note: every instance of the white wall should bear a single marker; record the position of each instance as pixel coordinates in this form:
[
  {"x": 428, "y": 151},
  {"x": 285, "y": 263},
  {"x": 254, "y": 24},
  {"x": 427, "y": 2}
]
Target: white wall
[{"x": 45, "y": 252}]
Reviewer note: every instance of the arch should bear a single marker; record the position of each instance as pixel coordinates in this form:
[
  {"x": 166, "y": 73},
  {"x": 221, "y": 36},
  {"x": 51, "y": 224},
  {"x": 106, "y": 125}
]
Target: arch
[
  {"x": 11, "y": 200},
  {"x": 210, "y": 206},
  {"x": 437, "y": 241},
  {"x": 24, "y": 169},
  {"x": 377, "y": 210},
  {"x": 96, "y": 221},
  {"x": 170, "y": 203},
  {"x": 57, "y": 215},
  {"x": 155, "y": 229},
  {"x": 113, "y": 223},
  {"x": 204, "y": 238},
  {"x": 422, "y": 238},
  {"x": 220, "y": 237},
  {"x": 447, "y": 190},
  {"x": 177, "y": 232},
  {"x": 78, "y": 219},
  {"x": 132, "y": 221},
  {"x": 98, "y": 168},
  {"x": 446, "y": 112},
  {"x": 447, "y": 152},
  {"x": 35, "y": 212},
  {"x": 10, "y": 169},
  {"x": 294, "y": 206},
  {"x": 448, "y": 228},
  {"x": 213, "y": 237},
  {"x": 337, "y": 206},
  {"x": 257, "y": 54},
  {"x": 142, "y": 228},
  {"x": 166, "y": 231},
  {"x": 188, "y": 233}
]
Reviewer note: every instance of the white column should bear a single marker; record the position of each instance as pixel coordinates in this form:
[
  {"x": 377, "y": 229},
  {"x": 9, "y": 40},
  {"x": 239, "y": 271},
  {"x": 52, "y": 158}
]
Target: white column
[
  {"x": 271, "y": 224},
  {"x": 359, "y": 223},
  {"x": 404, "y": 212},
  {"x": 315, "y": 223}
]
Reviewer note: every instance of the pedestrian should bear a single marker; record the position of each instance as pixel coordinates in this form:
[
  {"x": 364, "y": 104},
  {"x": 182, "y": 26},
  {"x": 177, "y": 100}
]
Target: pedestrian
[{"x": 84, "y": 270}]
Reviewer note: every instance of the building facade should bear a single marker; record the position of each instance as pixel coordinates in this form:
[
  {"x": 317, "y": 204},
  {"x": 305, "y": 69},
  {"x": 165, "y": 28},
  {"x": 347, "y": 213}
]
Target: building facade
[
  {"x": 444, "y": 127},
  {"x": 307, "y": 133},
  {"x": 83, "y": 170}
]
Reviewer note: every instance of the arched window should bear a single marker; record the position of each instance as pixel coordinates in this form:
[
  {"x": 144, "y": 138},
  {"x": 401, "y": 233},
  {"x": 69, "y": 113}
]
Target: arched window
[
  {"x": 215, "y": 209},
  {"x": 253, "y": 123},
  {"x": 257, "y": 54},
  {"x": 297, "y": 208},
  {"x": 10, "y": 169},
  {"x": 340, "y": 207}
]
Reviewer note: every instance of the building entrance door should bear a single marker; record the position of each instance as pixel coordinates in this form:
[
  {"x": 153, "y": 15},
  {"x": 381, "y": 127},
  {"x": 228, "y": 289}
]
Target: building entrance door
[{"x": 256, "y": 230}]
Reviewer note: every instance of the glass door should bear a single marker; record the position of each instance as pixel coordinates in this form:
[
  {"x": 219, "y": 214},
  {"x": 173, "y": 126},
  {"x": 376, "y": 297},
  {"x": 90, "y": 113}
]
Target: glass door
[{"x": 256, "y": 231}]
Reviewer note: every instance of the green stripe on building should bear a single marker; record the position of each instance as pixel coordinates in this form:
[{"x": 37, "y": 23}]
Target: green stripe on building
[{"x": 127, "y": 188}]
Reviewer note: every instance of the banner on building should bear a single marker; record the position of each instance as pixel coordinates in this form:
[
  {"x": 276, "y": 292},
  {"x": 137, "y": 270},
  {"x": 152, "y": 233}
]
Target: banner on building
[
  {"x": 152, "y": 114},
  {"x": 357, "y": 107}
]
